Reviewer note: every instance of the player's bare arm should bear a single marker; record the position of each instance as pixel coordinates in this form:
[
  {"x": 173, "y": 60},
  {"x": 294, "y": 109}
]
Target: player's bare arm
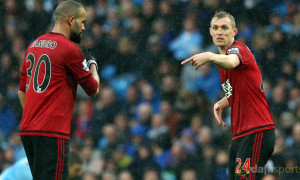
[
  {"x": 21, "y": 98},
  {"x": 227, "y": 62},
  {"x": 223, "y": 61},
  {"x": 94, "y": 72},
  {"x": 218, "y": 109}
]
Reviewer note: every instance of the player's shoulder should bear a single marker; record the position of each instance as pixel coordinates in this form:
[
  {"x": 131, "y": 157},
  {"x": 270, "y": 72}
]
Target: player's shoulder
[
  {"x": 64, "y": 44},
  {"x": 60, "y": 45},
  {"x": 237, "y": 44}
]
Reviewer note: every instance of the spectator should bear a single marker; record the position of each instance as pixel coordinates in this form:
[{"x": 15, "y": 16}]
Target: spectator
[
  {"x": 151, "y": 174},
  {"x": 158, "y": 127},
  {"x": 8, "y": 121},
  {"x": 120, "y": 157},
  {"x": 139, "y": 33},
  {"x": 138, "y": 137},
  {"x": 286, "y": 122},
  {"x": 149, "y": 95},
  {"x": 170, "y": 117},
  {"x": 277, "y": 23},
  {"x": 110, "y": 168},
  {"x": 131, "y": 101},
  {"x": 160, "y": 152},
  {"x": 152, "y": 56},
  {"x": 143, "y": 161},
  {"x": 179, "y": 159},
  {"x": 8, "y": 157},
  {"x": 92, "y": 161},
  {"x": 278, "y": 101},
  {"x": 205, "y": 136},
  {"x": 277, "y": 157},
  {"x": 122, "y": 127},
  {"x": 75, "y": 166},
  {"x": 189, "y": 174},
  {"x": 269, "y": 177},
  {"x": 207, "y": 165},
  {"x": 169, "y": 88},
  {"x": 125, "y": 175},
  {"x": 296, "y": 139},
  {"x": 196, "y": 124},
  {"x": 144, "y": 115},
  {"x": 160, "y": 29},
  {"x": 109, "y": 141},
  {"x": 172, "y": 18},
  {"x": 125, "y": 58},
  {"x": 112, "y": 38},
  {"x": 16, "y": 144},
  {"x": 291, "y": 161},
  {"x": 89, "y": 176},
  {"x": 208, "y": 82},
  {"x": 83, "y": 119},
  {"x": 41, "y": 17},
  {"x": 108, "y": 176},
  {"x": 12, "y": 95},
  {"x": 128, "y": 13},
  {"x": 187, "y": 139},
  {"x": 18, "y": 171},
  {"x": 101, "y": 9},
  {"x": 188, "y": 42},
  {"x": 111, "y": 20},
  {"x": 106, "y": 108},
  {"x": 7, "y": 64},
  {"x": 148, "y": 12},
  {"x": 294, "y": 94},
  {"x": 221, "y": 165}
]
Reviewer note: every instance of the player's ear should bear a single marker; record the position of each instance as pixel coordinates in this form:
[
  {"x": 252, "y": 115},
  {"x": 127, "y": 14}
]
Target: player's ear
[
  {"x": 70, "y": 20},
  {"x": 210, "y": 31},
  {"x": 235, "y": 31}
]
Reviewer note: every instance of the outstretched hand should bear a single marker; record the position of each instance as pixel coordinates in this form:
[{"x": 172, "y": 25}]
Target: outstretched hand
[
  {"x": 198, "y": 59},
  {"x": 218, "y": 115}
]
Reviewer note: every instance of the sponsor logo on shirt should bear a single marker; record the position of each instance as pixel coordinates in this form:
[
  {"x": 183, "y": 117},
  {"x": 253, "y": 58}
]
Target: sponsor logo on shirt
[
  {"x": 233, "y": 51},
  {"x": 85, "y": 67},
  {"x": 227, "y": 88}
]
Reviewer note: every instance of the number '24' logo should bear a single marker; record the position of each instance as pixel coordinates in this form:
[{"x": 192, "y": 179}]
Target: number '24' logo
[{"x": 243, "y": 168}]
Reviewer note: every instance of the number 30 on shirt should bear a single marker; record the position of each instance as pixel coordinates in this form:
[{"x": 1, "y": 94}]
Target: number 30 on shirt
[{"x": 38, "y": 87}]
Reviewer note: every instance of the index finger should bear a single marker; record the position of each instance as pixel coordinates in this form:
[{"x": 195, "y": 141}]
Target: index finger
[{"x": 187, "y": 60}]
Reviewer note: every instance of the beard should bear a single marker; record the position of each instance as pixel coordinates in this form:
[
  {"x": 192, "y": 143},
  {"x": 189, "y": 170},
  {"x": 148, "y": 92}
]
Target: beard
[{"x": 75, "y": 37}]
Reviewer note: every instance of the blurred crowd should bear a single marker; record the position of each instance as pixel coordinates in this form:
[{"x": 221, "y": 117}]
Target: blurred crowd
[{"x": 153, "y": 117}]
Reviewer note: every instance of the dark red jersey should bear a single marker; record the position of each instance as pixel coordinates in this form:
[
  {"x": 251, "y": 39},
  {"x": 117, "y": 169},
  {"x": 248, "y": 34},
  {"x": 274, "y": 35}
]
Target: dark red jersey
[
  {"x": 243, "y": 88},
  {"x": 52, "y": 68}
]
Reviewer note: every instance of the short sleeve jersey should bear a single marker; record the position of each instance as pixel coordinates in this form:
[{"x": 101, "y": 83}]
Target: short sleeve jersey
[
  {"x": 52, "y": 68},
  {"x": 243, "y": 88}
]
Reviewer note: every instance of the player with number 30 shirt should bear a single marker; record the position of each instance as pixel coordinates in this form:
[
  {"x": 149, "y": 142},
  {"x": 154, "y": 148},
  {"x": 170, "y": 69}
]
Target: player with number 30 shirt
[
  {"x": 53, "y": 66},
  {"x": 52, "y": 74}
]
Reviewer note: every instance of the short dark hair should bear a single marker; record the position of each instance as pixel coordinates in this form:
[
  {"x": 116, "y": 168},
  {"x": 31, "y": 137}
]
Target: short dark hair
[
  {"x": 66, "y": 9},
  {"x": 223, "y": 14}
]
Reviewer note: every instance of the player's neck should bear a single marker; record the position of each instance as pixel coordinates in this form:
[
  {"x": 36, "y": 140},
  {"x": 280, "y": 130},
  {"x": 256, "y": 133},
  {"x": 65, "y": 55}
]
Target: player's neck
[
  {"x": 58, "y": 28},
  {"x": 222, "y": 49}
]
